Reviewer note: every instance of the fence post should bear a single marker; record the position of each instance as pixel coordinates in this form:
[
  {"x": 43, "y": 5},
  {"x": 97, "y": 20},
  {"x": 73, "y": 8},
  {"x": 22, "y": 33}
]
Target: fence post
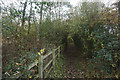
[
  {"x": 40, "y": 67},
  {"x": 53, "y": 58},
  {"x": 61, "y": 48},
  {"x": 59, "y": 52}
]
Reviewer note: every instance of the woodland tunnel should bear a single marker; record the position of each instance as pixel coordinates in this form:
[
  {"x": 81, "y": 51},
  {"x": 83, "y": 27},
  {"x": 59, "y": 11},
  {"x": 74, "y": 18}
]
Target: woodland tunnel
[
  {"x": 78, "y": 51},
  {"x": 79, "y": 57},
  {"x": 77, "y": 45},
  {"x": 38, "y": 28}
]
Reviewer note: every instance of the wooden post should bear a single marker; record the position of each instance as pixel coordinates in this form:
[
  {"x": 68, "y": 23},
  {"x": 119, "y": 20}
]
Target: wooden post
[
  {"x": 40, "y": 67},
  {"x": 53, "y": 58},
  {"x": 59, "y": 52},
  {"x": 39, "y": 64},
  {"x": 61, "y": 48}
]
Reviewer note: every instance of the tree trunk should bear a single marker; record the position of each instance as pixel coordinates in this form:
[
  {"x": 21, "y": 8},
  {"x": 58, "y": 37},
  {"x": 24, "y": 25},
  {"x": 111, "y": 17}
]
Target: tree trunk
[
  {"x": 40, "y": 22},
  {"x": 50, "y": 11},
  {"x": 23, "y": 16},
  {"x": 30, "y": 18},
  {"x": 119, "y": 18}
]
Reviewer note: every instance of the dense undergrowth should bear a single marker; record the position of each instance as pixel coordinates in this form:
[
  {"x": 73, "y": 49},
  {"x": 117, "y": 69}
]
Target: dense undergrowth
[
  {"x": 60, "y": 70},
  {"x": 93, "y": 27}
]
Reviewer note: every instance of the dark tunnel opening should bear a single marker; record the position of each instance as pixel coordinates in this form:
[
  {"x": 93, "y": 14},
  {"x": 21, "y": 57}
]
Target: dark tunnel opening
[{"x": 77, "y": 45}]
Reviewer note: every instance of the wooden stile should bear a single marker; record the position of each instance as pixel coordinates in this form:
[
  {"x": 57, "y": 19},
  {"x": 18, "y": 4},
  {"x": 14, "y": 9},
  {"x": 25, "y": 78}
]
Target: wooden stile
[{"x": 40, "y": 62}]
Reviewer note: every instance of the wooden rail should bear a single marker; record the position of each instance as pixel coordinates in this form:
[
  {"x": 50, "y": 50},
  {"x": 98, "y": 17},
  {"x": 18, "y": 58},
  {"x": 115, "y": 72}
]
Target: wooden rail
[
  {"x": 42, "y": 57},
  {"x": 40, "y": 61}
]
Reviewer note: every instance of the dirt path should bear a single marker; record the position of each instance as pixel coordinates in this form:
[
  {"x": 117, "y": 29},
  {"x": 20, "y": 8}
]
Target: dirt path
[
  {"x": 79, "y": 65},
  {"x": 71, "y": 58}
]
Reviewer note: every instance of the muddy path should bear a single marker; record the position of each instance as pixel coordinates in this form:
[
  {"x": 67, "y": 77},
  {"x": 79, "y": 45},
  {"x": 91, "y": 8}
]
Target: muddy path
[
  {"x": 79, "y": 65},
  {"x": 72, "y": 56}
]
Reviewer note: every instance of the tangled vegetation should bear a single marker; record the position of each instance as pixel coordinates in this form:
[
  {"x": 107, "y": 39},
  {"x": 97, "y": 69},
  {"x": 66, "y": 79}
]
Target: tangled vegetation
[{"x": 33, "y": 25}]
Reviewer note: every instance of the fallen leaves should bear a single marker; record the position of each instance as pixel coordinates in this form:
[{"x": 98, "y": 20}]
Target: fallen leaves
[
  {"x": 117, "y": 76},
  {"x": 30, "y": 76},
  {"x": 39, "y": 53},
  {"x": 18, "y": 64}
]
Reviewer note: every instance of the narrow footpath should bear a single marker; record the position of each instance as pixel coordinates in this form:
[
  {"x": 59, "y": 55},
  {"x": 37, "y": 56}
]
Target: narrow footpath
[
  {"x": 79, "y": 65},
  {"x": 71, "y": 59}
]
